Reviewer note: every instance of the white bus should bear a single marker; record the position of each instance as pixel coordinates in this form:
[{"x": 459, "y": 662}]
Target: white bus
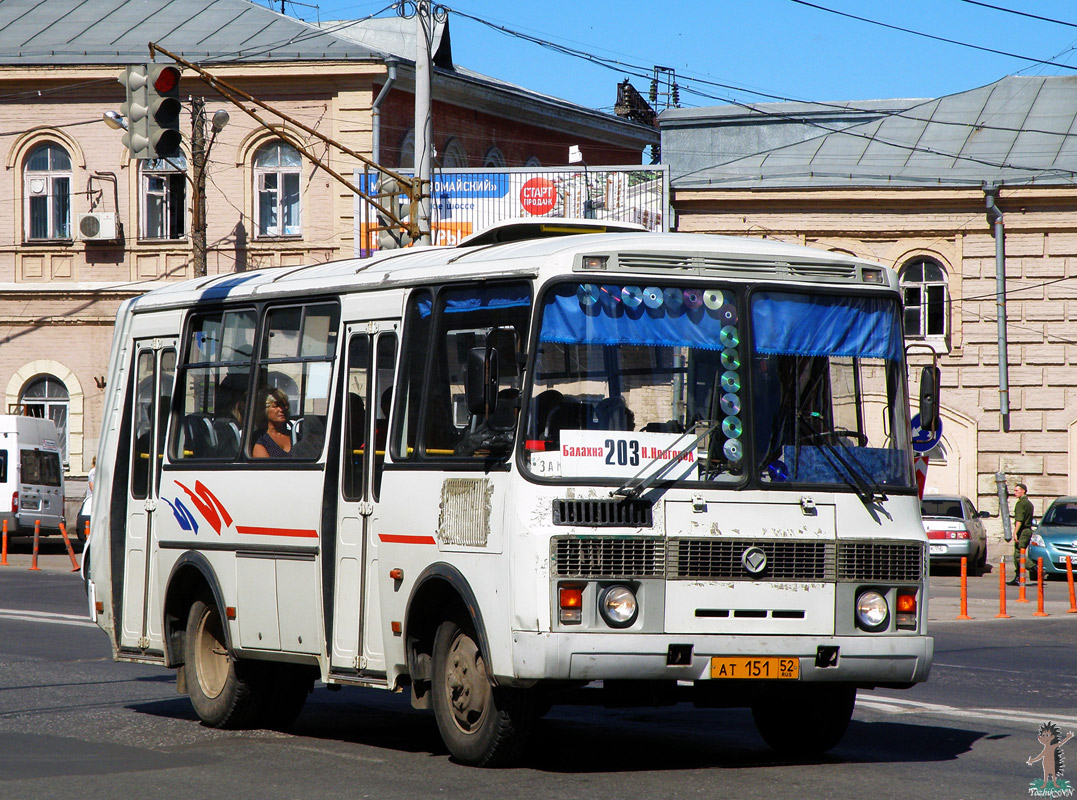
[{"x": 663, "y": 467}]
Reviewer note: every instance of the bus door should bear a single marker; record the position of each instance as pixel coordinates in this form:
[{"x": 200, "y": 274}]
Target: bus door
[
  {"x": 357, "y": 646},
  {"x": 154, "y": 372}
]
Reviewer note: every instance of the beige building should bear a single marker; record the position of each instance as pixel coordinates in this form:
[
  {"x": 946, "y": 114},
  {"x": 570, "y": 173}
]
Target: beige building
[
  {"x": 909, "y": 183},
  {"x": 83, "y": 227}
]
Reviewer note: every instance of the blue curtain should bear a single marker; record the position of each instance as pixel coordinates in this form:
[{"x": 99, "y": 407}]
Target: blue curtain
[
  {"x": 809, "y": 325},
  {"x": 479, "y": 297},
  {"x": 609, "y": 321}
]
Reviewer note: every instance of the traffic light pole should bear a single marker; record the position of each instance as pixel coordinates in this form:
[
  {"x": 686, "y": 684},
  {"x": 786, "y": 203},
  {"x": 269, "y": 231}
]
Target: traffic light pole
[{"x": 413, "y": 187}]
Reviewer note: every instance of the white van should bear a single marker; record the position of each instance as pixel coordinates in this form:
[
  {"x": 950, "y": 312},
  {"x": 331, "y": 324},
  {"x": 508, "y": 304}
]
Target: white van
[{"x": 31, "y": 475}]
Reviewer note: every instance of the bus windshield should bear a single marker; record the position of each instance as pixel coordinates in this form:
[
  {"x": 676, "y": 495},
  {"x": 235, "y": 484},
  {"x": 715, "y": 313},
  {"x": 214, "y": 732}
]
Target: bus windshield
[{"x": 666, "y": 383}]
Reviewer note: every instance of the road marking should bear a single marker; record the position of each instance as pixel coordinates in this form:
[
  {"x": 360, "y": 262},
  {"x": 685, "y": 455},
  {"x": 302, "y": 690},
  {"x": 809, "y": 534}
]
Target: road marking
[
  {"x": 44, "y": 616},
  {"x": 893, "y": 705}
]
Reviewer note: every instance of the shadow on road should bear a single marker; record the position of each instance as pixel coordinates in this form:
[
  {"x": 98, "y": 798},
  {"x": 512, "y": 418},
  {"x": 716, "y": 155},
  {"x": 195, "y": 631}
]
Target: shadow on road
[{"x": 596, "y": 740}]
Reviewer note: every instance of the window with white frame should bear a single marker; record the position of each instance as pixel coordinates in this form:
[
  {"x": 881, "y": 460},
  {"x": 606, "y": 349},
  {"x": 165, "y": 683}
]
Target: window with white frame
[
  {"x": 926, "y": 296},
  {"x": 277, "y": 170},
  {"x": 494, "y": 158},
  {"x": 47, "y": 189},
  {"x": 164, "y": 198},
  {"x": 47, "y": 397}
]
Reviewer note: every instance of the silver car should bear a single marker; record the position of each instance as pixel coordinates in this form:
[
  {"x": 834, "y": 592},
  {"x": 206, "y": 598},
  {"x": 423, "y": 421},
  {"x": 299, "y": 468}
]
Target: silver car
[{"x": 954, "y": 531}]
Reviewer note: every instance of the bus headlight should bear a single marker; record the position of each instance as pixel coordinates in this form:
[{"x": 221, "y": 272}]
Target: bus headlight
[
  {"x": 872, "y": 612},
  {"x": 618, "y": 606}
]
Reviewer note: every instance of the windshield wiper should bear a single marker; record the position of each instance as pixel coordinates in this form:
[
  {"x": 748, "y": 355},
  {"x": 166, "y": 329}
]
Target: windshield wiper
[
  {"x": 634, "y": 486},
  {"x": 853, "y": 473}
]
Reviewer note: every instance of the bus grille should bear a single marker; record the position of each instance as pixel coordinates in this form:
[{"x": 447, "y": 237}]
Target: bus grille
[
  {"x": 594, "y": 557},
  {"x": 604, "y": 513},
  {"x": 720, "y": 559},
  {"x": 880, "y": 561}
]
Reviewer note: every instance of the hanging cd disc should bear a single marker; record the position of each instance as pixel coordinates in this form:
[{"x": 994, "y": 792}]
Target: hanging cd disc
[
  {"x": 713, "y": 299},
  {"x": 730, "y": 359},
  {"x": 587, "y": 294},
  {"x": 731, "y": 381},
  {"x": 693, "y": 299},
  {"x": 632, "y": 296},
  {"x": 732, "y": 428},
  {"x": 732, "y": 449},
  {"x": 652, "y": 297},
  {"x": 730, "y": 404},
  {"x": 674, "y": 300},
  {"x": 729, "y": 336},
  {"x": 728, "y": 314}
]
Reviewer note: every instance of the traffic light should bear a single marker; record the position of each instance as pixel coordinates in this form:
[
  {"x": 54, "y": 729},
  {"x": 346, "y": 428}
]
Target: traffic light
[
  {"x": 135, "y": 110},
  {"x": 390, "y": 194},
  {"x": 163, "y": 103},
  {"x": 152, "y": 110}
]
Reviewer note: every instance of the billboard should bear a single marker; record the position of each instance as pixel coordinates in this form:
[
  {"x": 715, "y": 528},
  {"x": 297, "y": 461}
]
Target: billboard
[{"x": 466, "y": 201}]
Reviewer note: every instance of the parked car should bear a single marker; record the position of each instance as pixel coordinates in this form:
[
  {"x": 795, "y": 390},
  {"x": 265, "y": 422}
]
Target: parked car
[
  {"x": 954, "y": 531},
  {"x": 1055, "y": 538}
]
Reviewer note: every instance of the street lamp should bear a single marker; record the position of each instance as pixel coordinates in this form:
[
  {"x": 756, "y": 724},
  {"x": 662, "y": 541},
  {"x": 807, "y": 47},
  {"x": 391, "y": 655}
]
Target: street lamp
[
  {"x": 115, "y": 120},
  {"x": 575, "y": 156}
]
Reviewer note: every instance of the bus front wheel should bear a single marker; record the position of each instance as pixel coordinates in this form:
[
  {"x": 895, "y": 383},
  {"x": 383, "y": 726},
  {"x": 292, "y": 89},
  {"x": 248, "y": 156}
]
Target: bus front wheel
[
  {"x": 225, "y": 693},
  {"x": 481, "y": 724},
  {"x": 804, "y": 720}
]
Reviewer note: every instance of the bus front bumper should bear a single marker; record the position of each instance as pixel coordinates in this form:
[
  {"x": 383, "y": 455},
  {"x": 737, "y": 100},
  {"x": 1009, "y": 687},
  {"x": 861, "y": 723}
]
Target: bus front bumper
[{"x": 863, "y": 660}]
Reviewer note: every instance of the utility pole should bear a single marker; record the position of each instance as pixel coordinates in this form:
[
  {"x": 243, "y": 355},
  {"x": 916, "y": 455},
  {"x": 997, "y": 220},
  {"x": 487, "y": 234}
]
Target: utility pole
[
  {"x": 426, "y": 16},
  {"x": 198, "y": 201}
]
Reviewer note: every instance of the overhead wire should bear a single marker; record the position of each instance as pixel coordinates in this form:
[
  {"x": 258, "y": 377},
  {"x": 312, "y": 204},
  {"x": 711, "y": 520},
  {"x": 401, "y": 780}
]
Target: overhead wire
[{"x": 944, "y": 39}]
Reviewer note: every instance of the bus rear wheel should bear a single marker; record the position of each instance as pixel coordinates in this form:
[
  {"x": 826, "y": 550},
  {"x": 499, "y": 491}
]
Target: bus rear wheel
[
  {"x": 225, "y": 693},
  {"x": 481, "y": 724},
  {"x": 804, "y": 720}
]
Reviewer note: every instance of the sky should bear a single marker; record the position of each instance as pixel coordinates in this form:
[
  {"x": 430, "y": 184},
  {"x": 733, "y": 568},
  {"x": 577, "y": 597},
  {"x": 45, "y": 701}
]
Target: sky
[{"x": 725, "y": 51}]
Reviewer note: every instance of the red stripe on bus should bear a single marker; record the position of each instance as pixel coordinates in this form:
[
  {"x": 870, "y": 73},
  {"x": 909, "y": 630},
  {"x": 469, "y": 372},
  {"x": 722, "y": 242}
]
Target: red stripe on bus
[
  {"x": 304, "y": 533},
  {"x": 401, "y": 539}
]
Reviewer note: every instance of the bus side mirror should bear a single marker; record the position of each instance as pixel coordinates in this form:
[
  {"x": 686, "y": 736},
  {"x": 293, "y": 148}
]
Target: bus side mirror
[
  {"x": 482, "y": 380},
  {"x": 929, "y": 398}
]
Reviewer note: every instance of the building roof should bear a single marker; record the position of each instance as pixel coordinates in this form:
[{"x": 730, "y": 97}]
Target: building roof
[
  {"x": 1016, "y": 131},
  {"x": 53, "y": 32}
]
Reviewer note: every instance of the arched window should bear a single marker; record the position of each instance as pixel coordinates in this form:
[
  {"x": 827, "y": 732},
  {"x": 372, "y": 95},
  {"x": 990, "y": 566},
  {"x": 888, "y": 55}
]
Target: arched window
[
  {"x": 926, "y": 298},
  {"x": 493, "y": 158},
  {"x": 455, "y": 156},
  {"x": 533, "y": 162},
  {"x": 406, "y": 158},
  {"x": 47, "y": 189},
  {"x": 46, "y": 396},
  {"x": 164, "y": 197},
  {"x": 276, "y": 179}
]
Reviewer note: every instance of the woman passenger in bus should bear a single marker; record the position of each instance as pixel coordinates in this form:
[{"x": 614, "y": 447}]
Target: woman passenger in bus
[{"x": 276, "y": 441}]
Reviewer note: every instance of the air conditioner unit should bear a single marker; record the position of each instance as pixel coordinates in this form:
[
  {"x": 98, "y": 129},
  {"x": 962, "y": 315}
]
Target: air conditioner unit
[{"x": 97, "y": 227}]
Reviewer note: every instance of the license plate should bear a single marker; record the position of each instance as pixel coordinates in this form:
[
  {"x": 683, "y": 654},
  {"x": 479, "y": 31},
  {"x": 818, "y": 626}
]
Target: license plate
[
  {"x": 937, "y": 549},
  {"x": 766, "y": 668}
]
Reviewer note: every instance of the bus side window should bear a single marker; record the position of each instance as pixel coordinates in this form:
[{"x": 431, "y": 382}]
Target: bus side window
[
  {"x": 355, "y": 430},
  {"x": 295, "y": 368},
  {"x": 214, "y": 382},
  {"x": 385, "y": 364}
]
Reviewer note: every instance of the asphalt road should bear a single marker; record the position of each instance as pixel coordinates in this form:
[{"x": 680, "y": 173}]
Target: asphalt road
[{"x": 75, "y": 724}]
